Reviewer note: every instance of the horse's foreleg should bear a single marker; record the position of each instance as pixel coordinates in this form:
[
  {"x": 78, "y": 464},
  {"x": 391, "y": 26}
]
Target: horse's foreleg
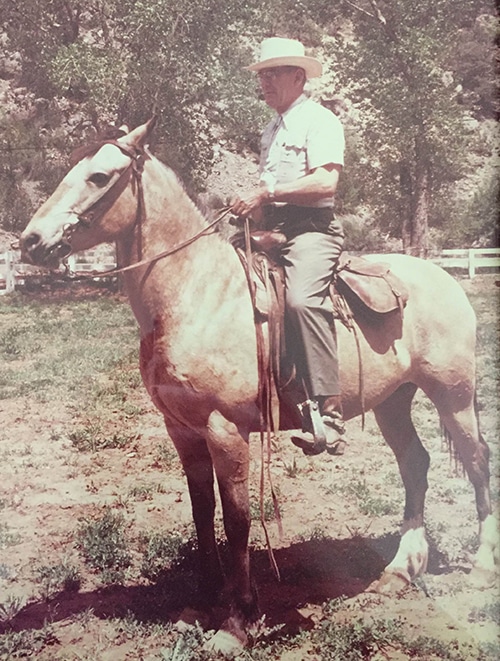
[
  {"x": 230, "y": 456},
  {"x": 197, "y": 464},
  {"x": 473, "y": 452},
  {"x": 394, "y": 419}
]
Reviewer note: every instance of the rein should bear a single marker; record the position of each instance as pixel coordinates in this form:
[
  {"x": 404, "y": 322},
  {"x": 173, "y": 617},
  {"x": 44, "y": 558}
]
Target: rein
[{"x": 106, "y": 201}]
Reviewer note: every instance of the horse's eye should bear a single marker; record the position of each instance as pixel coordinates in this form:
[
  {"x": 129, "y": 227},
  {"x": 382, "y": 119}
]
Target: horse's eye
[{"x": 99, "y": 179}]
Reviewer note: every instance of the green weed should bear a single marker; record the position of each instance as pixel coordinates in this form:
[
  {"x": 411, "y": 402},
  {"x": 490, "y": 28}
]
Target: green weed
[
  {"x": 187, "y": 647},
  {"x": 367, "y": 503},
  {"x": 165, "y": 455},
  {"x": 104, "y": 545},
  {"x": 268, "y": 510},
  {"x": 10, "y": 608},
  {"x": 291, "y": 470},
  {"x": 146, "y": 491},
  {"x": 8, "y": 538},
  {"x": 24, "y": 644},
  {"x": 57, "y": 578},
  {"x": 92, "y": 437},
  {"x": 487, "y": 612},
  {"x": 160, "y": 551}
]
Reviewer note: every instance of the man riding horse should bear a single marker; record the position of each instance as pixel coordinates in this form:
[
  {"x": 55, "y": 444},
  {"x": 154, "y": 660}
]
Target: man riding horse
[{"x": 302, "y": 154}]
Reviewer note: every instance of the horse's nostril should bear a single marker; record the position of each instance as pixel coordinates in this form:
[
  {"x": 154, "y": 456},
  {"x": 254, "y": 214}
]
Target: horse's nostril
[{"x": 31, "y": 241}]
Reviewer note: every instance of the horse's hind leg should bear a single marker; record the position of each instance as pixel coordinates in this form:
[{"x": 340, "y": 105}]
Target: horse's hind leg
[
  {"x": 461, "y": 422},
  {"x": 394, "y": 419}
]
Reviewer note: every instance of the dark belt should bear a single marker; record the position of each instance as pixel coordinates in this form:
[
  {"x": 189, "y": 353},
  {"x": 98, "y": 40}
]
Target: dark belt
[{"x": 292, "y": 219}]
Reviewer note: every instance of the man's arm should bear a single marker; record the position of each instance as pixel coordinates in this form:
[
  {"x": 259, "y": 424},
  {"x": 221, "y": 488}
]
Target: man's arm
[{"x": 321, "y": 182}]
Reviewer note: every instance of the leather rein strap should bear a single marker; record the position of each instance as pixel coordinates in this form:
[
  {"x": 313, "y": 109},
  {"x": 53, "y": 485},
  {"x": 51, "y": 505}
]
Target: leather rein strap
[{"x": 109, "y": 197}]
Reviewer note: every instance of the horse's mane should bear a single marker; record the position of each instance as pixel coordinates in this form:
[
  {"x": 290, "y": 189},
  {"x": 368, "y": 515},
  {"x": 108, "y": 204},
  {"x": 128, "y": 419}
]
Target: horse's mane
[{"x": 91, "y": 148}]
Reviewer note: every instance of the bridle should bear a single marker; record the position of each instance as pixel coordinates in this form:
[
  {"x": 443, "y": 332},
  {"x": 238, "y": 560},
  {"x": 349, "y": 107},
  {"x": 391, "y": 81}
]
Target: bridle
[{"x": 103, "y": 204}]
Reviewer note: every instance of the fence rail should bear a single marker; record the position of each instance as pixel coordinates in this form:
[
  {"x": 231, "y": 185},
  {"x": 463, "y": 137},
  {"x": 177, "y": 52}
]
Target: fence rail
[
  {"x": 13, "y": 273},
  {"x": 470, "y": 259}
]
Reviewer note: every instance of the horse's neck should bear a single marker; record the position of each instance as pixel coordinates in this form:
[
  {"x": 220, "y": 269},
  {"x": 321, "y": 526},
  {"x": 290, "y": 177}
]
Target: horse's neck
[{"x": 178, "y": 284}]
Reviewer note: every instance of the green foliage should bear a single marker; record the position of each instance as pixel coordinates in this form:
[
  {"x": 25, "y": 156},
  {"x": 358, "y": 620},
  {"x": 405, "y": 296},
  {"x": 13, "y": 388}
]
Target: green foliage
[
  {"x": 490, "y": 611},
  {"x": 88, "y": 72},
  {"x": 23, "y": 644},
  {"x": 267, "y": 507},
  {"x": 475, "y": 222},
  {"x": 103, "y": 543},
  {"x": 398, "y": 72},
  {"x": 94, "y": 436},
  {"x": 160, "y": 551},
  {"x": 370, "y": 504},
  {"x": 414, "y": 73},
  {"x": 57, "y": 578},
  {"x": 8, "y": 538},
  {"x": 353, "y": 641},
  {"x": 10, "y": 607}
]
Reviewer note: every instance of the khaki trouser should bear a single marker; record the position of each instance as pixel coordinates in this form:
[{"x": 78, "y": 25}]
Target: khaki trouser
[{"x": 309, "y": 258}]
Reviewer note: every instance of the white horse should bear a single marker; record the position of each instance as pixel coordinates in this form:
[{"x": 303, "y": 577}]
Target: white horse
[{"x": 199, "y": 363}]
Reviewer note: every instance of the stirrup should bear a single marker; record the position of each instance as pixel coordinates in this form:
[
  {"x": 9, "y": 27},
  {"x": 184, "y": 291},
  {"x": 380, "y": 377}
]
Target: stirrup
[{"x": 311, "y": 422}]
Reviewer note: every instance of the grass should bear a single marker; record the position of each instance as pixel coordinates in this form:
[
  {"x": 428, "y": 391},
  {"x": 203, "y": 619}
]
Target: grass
[
  {"x": 8, "y": 538},
  {"x": 103, "y": 543},
  {"x": 372, "y": 505},
  {"x": 162, "y": 550},
  {"x": 48, "y": 345},
  {"x": 53, "y": 579}
]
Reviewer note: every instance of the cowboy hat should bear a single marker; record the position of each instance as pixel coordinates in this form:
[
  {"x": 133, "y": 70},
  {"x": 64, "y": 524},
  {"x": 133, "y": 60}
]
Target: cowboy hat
[{"x": 279, "y": 52}]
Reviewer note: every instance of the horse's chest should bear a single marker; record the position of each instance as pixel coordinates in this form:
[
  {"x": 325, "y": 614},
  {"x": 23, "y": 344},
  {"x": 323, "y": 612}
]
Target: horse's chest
[{"x": 167, "y": 384}]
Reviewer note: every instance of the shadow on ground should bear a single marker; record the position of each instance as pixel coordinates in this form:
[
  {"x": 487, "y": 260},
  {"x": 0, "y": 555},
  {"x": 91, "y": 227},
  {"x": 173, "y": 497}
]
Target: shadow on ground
[{"x": 311, "y": 572}]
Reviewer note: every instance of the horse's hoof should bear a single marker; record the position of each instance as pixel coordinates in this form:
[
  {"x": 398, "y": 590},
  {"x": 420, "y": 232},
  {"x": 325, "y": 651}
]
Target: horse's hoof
[
  {"x": 390, "y": 583},
  {"x": 482, "y": 579},
  {"x": 224, "y": 643}
]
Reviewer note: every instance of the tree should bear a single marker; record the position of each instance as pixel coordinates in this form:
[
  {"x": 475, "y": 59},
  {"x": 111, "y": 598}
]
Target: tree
[
  {"x": 396, "y": 68},
  {"x": 122, "y": 61}
]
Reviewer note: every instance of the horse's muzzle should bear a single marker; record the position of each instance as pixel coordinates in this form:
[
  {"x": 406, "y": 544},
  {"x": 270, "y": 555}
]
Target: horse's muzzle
[{"x": 35, "y": 251}]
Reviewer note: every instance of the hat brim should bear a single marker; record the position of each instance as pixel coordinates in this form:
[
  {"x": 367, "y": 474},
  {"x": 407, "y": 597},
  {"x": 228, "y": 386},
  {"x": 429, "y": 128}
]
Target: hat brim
[{"x": 312, "y": 67}]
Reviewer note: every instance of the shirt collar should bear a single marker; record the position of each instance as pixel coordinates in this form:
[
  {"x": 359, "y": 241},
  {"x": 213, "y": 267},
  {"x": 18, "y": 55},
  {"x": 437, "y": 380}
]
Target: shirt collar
[{"x": 298, "y": 101}]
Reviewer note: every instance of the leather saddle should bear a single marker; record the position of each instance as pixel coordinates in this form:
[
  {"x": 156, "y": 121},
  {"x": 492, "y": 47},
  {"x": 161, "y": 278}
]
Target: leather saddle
[
  {"x": 361, "y": 290},
  {"x": 368, "y": 288}
]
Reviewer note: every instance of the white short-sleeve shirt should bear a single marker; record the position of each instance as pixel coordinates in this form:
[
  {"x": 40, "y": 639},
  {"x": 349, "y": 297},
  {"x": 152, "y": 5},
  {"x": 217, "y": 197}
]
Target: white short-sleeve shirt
[{"x": 305, "y": 137}]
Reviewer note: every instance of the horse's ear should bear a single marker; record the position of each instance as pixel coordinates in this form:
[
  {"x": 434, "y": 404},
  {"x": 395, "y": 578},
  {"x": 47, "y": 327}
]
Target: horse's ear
[{"x": 139, "y": 136}]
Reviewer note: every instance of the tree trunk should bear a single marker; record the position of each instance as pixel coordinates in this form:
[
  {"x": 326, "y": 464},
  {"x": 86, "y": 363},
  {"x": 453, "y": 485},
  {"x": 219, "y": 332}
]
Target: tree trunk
[{"x": 415, "y": 230}]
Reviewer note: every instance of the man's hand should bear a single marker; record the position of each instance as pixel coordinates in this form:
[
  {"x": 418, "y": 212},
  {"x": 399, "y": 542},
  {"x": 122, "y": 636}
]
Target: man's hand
[{"x": 250, "y": 204}]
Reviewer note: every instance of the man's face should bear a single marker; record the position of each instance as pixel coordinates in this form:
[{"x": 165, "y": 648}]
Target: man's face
[{"x": 281, "y": 86}]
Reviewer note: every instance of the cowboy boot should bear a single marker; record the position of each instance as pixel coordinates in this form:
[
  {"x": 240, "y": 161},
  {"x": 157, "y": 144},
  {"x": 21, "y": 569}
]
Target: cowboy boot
[{"x": 331, "y": 414}]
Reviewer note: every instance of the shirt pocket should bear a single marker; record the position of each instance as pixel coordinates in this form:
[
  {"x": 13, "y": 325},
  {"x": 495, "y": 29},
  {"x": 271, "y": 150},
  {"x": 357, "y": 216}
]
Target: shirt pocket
[{"x": 293, "y": 157}]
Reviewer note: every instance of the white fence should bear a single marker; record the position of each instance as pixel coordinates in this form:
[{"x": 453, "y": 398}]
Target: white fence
[
  {"x": 470, "y": 259},
  {"x": 14, "y": 273}
]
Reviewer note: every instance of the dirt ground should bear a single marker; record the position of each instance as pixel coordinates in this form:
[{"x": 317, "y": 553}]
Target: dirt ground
[{"x": 340, "y": 519}]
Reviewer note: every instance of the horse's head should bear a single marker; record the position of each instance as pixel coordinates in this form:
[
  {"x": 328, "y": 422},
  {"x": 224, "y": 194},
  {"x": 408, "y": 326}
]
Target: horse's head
[{"x": 94, "y": 202}]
